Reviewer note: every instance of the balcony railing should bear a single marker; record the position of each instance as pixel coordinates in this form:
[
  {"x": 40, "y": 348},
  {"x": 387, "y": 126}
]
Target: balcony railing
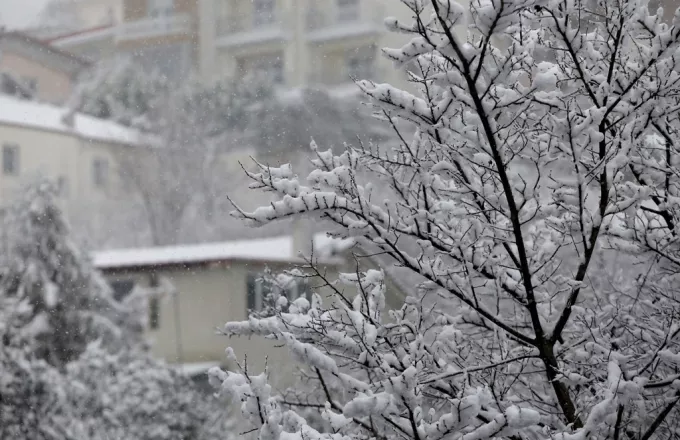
[
  {"x": 155, "y": 27},
  {"x": 344, "y": 76},
  {"x": 245, "y": 30},
  {"x": 335, "y": 22}
]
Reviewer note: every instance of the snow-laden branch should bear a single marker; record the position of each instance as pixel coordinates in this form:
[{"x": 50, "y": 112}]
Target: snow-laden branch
[{"x": 537, "y": 198}]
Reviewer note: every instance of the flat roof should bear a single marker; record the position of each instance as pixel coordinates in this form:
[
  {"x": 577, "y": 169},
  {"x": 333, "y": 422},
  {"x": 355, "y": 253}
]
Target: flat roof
[{"x": 272, "y": 250}]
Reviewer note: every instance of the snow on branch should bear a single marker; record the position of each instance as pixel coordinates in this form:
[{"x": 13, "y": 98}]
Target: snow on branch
[{"x": 537, "y": 195}]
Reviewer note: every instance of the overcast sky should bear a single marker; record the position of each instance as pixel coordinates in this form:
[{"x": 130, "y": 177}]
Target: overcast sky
[{"x": 19, "y": 13}]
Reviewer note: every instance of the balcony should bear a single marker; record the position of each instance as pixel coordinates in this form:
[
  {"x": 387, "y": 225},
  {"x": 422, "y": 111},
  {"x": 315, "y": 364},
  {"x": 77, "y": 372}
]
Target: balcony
[
  {"x": 177, "y": 24},
  {"x": 341, "y": 79},
  {"x": 85, "y": 36},
  {"x": 341, "y": 22},
  {"x": 239, "y": 31}
]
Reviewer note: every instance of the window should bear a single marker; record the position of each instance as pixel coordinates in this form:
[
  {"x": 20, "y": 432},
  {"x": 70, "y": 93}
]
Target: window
[
  {"x": 263, "y": 12},
  {"x": 100, "y": 172},
  {"x": 260, "y": 292},
  {"x": 10, "y": 159},
  {"x": 154, "y": 312},
  {"x": 62, "y": 186},
  {"x": 348, "y": 10},
  {"x": 160, "y": 8},
  {"x": 268, "y": 66},
  {"x": 360, "y": 63},
  {"x": 31, "y": 84},
  {"x": 173, "y": 60},
  {"x": 122, "y": 288}
]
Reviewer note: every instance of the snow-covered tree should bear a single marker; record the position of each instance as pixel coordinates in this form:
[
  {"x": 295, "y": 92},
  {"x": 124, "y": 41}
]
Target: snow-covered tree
[
  {"x": 59, "y": 303},
  {"x": 543, "y": 159},
  {"x": 73, "y": 364},
  {"x": 119, "y": 91},
  {"x": 31, "y": 400},
  {"x": 192, "y": 125}
]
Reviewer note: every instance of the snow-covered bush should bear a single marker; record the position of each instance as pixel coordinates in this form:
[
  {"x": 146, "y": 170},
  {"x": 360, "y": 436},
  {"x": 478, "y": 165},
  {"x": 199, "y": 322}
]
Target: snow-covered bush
[
  {"x": 544, "y": 156},
  {"x": 31, "y": 398},
  {"x": 131, "y": 395}
]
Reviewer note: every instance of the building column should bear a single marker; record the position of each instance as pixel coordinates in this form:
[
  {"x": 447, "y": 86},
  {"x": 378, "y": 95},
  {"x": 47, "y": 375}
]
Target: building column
[
  {"x": 296, "y": 54},
  {"x": 207, "y": 52}
]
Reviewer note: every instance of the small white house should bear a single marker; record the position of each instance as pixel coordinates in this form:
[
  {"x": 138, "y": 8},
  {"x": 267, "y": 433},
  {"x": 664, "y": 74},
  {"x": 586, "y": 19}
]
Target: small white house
[
  {"x": 201, "y": 287},
  {"x": 77, "y": 151}
]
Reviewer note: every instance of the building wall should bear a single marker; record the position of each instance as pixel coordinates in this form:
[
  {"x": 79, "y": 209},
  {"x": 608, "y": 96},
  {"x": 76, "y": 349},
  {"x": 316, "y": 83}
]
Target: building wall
[
  {"x": 207, "y": 298},
  {"x": 138, "y": 9},
  {"x": 87, "y": 13},
  {"x": 223, "y": 33},
  {"x": 669, "y": 8},
  {"x": 60, "y": 157},
  {"x": 52, "y": 85},
  {"x": 311, "y": 54},
  {"x": 99, "y": 12},
  {"x": 91, "y": 49}
]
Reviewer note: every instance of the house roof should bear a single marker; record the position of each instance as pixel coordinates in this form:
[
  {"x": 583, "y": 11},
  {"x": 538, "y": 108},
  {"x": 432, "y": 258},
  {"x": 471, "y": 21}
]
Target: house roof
[
  {"x": 36, "y": 48},
  {"x": 96, "y": 30},
  {"x": 14, "y": 111},
  {"x": 276, "y": 249},
  {"x": 197, "y": 368}
]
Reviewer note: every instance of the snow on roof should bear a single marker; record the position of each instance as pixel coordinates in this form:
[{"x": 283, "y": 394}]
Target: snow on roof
[
  {"x": 327, "y": 246},
  {"x": 196, "y": 368},
  {"x": 276, "y": 249},
  {"x": 44, "y": 47},
  {"x": 43, "y": 116}
]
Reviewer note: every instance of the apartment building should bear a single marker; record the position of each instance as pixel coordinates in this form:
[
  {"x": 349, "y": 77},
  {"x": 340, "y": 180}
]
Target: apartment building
[
  {"x": 294, "y": 42},
  {"x": 61, "y": 17},
  {"x": 298, "y": 42},
  {"x": 158, "y": 34}
]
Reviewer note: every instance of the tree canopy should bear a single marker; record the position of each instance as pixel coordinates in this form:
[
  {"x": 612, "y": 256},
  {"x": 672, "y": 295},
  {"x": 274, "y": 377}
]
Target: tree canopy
[{"x": 536, "y": 201}]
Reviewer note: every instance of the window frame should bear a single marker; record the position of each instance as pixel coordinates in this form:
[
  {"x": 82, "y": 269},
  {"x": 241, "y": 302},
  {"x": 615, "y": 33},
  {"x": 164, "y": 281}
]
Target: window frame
[
  {"x": 347, "y": 11},
  {"x": 271, "y": 66},
  {"x": 154, "y": 312},
  {"x": 10, "y": 162},
  {"x": 264, "y": 12},
  {"x": 256, "y": 297},
  {"x": 130, "y": 284},
  {"x": 100, "y": 172},
  {"x": 365, "y": 62},
  {"x": 160, "y": 8},
  {"x": 63, "y": 188}
]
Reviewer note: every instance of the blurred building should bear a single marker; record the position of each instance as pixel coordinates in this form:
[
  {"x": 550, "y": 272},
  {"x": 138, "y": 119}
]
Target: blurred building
[
  {"x": 298, "y": 42},
  {"x": 157, "y": 34},
  {"x": 78, "y": 152},
  {"x": 193, "y": 290},
  {"x": 60, "y": 17},
  {"x": 37, "y": 69},
  {"x": 295, "y": 42}
]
